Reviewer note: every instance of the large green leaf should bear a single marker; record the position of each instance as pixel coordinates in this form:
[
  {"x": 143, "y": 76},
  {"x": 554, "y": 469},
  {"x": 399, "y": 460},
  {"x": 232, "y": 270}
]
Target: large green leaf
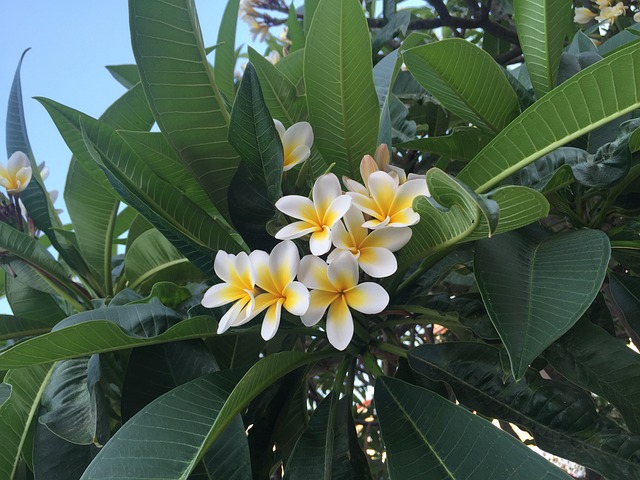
[
  {"x": 536, "y": 286},
  {"x": 454, "y": 214},
  {"x": 184, "y": 99},
  {"x": 542, "y": 25},
  {"x": 127, "y": 75},
  {"x": 254, "y": 135},
  {"x": 166, "y": 439},
  {"x": 17, "y": 412},
  {"x": 31, "y": 304},
  {"x": 429, "y": 437},
  {"x": 93, "y": 206},
  {"x": 466, "y": 81},
  {"x": 463, "y": 143},
  {"x": 328, "y": 449},
  {"x": 338, "y": 78},
  {"x": 225, "y": 53},
  {"x": 151, "y": 259},
  {"x": 192, "y": 230},
  {"x": 593, "y": 359},
  {"x": 562, "y": 418},
  {"x": 625, "y": 293},
  {"x": 16, "y": 327},
  {"x": 589, "y": 99}
]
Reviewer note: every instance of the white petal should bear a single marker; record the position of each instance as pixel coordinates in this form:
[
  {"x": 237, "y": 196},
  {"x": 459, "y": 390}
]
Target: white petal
[
  {"x": 271, "y": 321},
  {"x": 223, "y": 265},
  {"x": 319, "y": 300},
  {"x": 283, "y": 264},
  {"x": 391, "y": 239},
  {"x": 221, "y": 294},
  {"x": 325, "y": 191},
  {"x": 407, "y": 192},
  {"x": 22, "y": 178},
  {"x": 299, "y": 133},
  {"x": 343, "y": 272},
  {"x": 336, "y": 210},
  {"x": 368, "y": 298},
  {"x": 280, "y": 128},
  {"x": 232, "y": 314},
  {"x": 295, "y": 230},
  {"x": 297, "y": 206},
  {"x": 353, "y": 220},
  {"x": 339, "y": 237},
  {"x": 377, "y": 262},
  {"x": 296, "y": 298},
  {"x": 320, "y": 241},
  {"x": 260, "y": 261},
  {"x": 17, "y": 161},
  {"x": 297, "y": 156},
  {"x": 339, "y": 324},
  {"x": 313, "y": 273},
  {"x": 353, "y": 186},
  {"x": 382, "y": 187}
]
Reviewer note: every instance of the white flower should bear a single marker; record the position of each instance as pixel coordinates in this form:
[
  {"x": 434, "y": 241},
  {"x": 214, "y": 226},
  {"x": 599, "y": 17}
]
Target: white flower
[
  {"x": 583, "y": 15},
  {"x": 273, "y": 57},
  {"x": 316, "y": 217},
  {"x": 636, "y": 17},
  {"x": 611, "y": 13},
  {"x": 335, "y": 287},
  {"x": 296, "y": 142},
  {"x": 275, "y": 276},
  {"x": 240, "y": 279},
  {"x": 257, "y": 30},
  {"x": 16, "y": 175},
  {"x": 371, "y": 250}
]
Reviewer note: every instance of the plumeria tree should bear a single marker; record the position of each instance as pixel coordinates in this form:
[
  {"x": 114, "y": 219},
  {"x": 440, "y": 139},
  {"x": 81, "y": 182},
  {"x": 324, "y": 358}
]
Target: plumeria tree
[{"x": 401, "y": 242}]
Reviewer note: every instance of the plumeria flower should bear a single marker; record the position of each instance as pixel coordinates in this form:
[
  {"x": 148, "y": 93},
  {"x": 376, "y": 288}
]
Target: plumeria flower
[
  {"x": 335, "y": 287},
  {"x": 371, "y": 250},
  {"x": 239, "y": 287},
  {"x": 583, "y": 15},
  {"x": 275, "y": 276},
  {"x": 611, "y": 13},
  {"x": 389, "y": 203},
  {"x": 246, "y": 9},
  {"x": 296, "y": 142},
  {"x": 16, "y": 175},
  {"x": 273, "y": 57},
  {"x": 257, "y": 30},
  {"x": 316, "y": 217},
  {"x": 602, "y": 3},
  {"x": 636, "y": 17}
]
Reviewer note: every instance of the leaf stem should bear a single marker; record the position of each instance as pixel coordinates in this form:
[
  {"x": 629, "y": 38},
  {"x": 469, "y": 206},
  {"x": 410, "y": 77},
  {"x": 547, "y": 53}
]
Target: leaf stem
[{"x": 390, "y": 348}]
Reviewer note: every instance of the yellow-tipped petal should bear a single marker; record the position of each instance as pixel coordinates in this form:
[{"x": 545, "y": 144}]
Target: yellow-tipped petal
[
  {"x": 17, "y": 161},
  {"x": 221, "y": 294},
  {"x": 367, "y": 298},
  {"x": 404, "y": 218},
  {"x": 313, "y": 273},
  {"x": 283, "y": 264},
  {"x": 364, "y": 203},
  {"x": 407, "y": 192},
  {"x": 377, "y": 262},
  {"x": 299, "y": 207},
  {"x": 374, "y": 223},
  {"x": 382, "y": 188},
  {"x": 339, "y": 324},
  {"x": 296, "y": 156},
  {"x": 353, "y": 220},
  {"x": 340, "y": 237},
  {"x": 232, "y": 315},
  {"x": 223, "y": 265},
  {"x": 296, "y": 298},
  {"x": 260, "y": 261},
  {"x": 353, "y": 186},
  {"x": 336, "y": 210},
  {"x": 320, "y": 241},
  {"x": 298, "y": 134},
  {"x": 296, "y": 230},
  {"x": 325, "y": 191},
  {"x": 343, "y": 272},
  {"x": 271, "y": 320},
  {"x": 243, "y": 273},
  {"x": 319, "y": 300},
  {"x": 390, "y": 239}
]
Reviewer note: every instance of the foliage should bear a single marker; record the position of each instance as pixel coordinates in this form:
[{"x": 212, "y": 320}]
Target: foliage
[{"x": 393, "y": 247}]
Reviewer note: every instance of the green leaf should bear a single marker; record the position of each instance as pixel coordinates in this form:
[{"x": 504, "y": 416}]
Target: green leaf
[
  {"x": 463, "y": 143},
  {"x": 591, "y": 358},
  {"x": 536, "y": 286},
  {"x": 16, "y": 327},
  {"x": 17, "y": 138},
  {"x": 127, "y": 75},
  {"x": 152, "y": 258},
  {"x": 32, "y": 304},
  {"x": 341, "y": 96},
  {"x": 18, "y": 411},
  {"x": 291, "y": 67},
  {"x": 280, "y": 94},
  {"x": 448, "y": 442},
  {"x": 183, "y": 97},
  {"x": 562, "y": 418},
  {"x": 559, "y": 117},
  {"x": 93, "y": 208},
  {"x": 542, "y": 25},
  {"x": 295, "y": 33},
  {"x": 466, "y": 81},
  {"x": 396, "y": 26},
  {"x": 454, "y": 214},
  {"x": 156, "y": 444},
  {"x": 310, "y": 7},
  {"x": 619, "y": 40},
  {"x": 625, "y": 293},
  {"x": 225, "y": 55},
  {"x": 73, "y": 404},
  {"x": 328, "y": 449}
]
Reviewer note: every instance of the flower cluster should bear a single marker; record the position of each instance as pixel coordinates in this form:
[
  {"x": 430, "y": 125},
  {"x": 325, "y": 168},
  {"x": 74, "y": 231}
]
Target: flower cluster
[
  {"x": 606, "y": 12},
  {"x": 352, "y": 235},
  {"x": 258, "y": 29}
]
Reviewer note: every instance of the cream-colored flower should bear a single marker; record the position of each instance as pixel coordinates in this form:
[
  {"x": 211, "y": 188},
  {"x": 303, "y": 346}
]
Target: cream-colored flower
[
  {"x": 257, "y": 30},
  {"x": 636, "y": 17},
  {"x": 379, "y": 162},
  {"x": 296, "y": 142},
  {"x": 611, "y": 13},
  {"x": 273, "y": 57},
  {"x": 275, "y": 274},
  {"x": 246, "y": 9},
  {"x": 583, "y": 15},
  {"x": 16, "y": 175},
  {"x": 602, "y": 3},
  {"x": 335, "y": 287},
  {"x": 371, "y": 250},
  {"x": 316, "y": 217},
  {"x": 389, "y": 203},
  {"x": 239, "y": 287}
]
